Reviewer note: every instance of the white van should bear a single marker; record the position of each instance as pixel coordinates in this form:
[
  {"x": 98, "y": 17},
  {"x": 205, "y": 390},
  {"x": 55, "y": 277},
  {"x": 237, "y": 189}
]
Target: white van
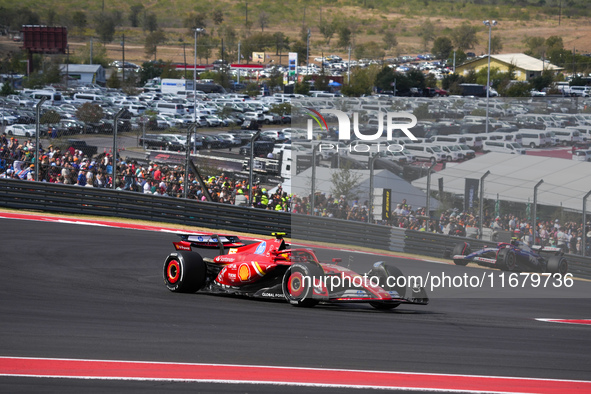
[
  {"x": 565, "y": 136},
  {"x": 430, "y": 152},
  {"x": 448, "y": 138},
  {"x": 171, "y": 108},
  {"x": 453, "y": 152},
  {"x": 53, "y": 98},
  {"x": 135, "y": 109},
  {"x": 474, "y": 141},
  {"x": 503, "y": 147},
  {"x": 465, "y": 149},
  {"x": 88, "y": 98},
  {"x": 533, "y": 138},
  {"x": 508, "y": 137}
]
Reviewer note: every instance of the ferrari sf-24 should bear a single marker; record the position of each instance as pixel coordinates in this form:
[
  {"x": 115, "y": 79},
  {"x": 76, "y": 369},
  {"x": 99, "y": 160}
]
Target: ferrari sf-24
[{"x": 272, "y": 269}]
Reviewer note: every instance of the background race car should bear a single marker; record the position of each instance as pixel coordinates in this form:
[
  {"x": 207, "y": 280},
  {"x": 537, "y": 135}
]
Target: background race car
[{"x": 514, "y": 256}]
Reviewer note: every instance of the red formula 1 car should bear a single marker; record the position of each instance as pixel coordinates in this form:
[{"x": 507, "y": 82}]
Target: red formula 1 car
[{"x": 271, "y": 269}]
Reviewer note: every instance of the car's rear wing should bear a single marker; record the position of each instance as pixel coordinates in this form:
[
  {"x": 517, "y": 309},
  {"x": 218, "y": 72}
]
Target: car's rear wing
[
  {"x": 188, "y": 241},
  {"x": 551, "y": 249}
]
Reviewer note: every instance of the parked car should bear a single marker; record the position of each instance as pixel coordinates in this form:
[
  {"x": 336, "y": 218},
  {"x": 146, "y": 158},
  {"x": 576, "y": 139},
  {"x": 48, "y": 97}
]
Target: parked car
[
  {"x": 25, "y": 130},
  {"x": 582, "y": 155},
  {"x": 213, "y": 142}
]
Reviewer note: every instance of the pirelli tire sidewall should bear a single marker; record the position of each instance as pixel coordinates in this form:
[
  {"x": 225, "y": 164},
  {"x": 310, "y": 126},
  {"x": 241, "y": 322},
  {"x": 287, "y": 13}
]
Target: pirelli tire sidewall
[
  {"x": 184, "y": 272},
  {"x": 296, "y": 289}
]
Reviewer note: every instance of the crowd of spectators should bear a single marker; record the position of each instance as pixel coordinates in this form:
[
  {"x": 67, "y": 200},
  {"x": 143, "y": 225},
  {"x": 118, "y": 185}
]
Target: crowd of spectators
[{"x": 17, "y": 161}]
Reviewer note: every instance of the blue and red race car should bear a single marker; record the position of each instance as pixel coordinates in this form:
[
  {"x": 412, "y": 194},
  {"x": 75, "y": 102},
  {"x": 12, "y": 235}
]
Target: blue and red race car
[
  {"x": 513, "y": 256},
  {"x": 271, "y": 269}
]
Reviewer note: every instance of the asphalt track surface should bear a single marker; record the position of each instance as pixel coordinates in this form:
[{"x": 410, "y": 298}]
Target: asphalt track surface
[{"x": 95, "y": 293}]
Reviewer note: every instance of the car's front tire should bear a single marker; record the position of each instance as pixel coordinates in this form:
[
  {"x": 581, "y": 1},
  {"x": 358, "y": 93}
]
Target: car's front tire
[
  {"x": 462, "y": 249},
  {"x": 507, "y": 259},
  {"x": 557, "y": 265},
  {"x": 184, "y": 272},
  {"x": 298, "y": 282}
]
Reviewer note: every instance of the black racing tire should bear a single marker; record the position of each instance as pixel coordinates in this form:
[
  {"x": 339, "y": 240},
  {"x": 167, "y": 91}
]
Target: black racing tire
[
  {"x": 507, "y": 260},
  {"x": 462, "y": 249},
  {"x": 184, "y": 272},
  {"x": 297, "y": 290},
  {"x": 557, "y": 265},
  {"x": 382, "y": 275}
]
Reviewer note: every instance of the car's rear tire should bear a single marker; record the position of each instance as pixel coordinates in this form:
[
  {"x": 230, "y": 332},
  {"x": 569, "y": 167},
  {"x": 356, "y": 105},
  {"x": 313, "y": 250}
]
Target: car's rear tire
[
  {"x": 297, "y": 290},
  {"x": 462, "y": 249},
  {"x": 507, "y": 260},
  {"x": 184, "y": 272},
  {"x": 557, "y": 265},
  {"x": 384, "y": 272}
]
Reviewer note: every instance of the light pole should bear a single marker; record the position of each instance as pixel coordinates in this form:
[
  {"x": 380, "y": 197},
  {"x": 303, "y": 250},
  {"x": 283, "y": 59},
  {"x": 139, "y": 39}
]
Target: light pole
[
  {"x": 196, "y": 30},
  {"x": 481, "y": 203},
  {"x": 115, "y": 121},
  {"x": 308, "y": 52},
  {"x": 37, "y": 131},
  {"x": 490, "y": 24}
]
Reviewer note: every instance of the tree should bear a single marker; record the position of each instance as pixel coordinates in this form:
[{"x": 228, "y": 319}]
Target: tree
[
  {"x": 114, "y": 82},
  {"x": 301, "y": 49},
  {"x": 371, "y": 50},
  {"x": 7, "y": 89},
  {"x": 518, "y": 89},
  {"x": 442, "y": 48},
  {"x": 535, "y": 46},
  {"x": 49, "y": 117},
  {"x": 360, "y": 84},
  {"x": 327, "y": 29},
  {"x": 195, "y": 21},
  {"x": 134, "y": 14},
  {"x": 464, "y": 36},
  {"x": 150, "y": 70},
  {"x": 496, "y": 45},
  {"x": 152, "y": 41},
  {"x": 252, "y": 89},
  {"x": 217, "y": 16},
  {"x": 542, "y": 81},
  {"x": 204, "y": 47},
  {"x": 321, "y": 82},
  {"x": 79, "y": 19},
  {"x": 105, "y": 28},
  {"x": 151, "y": 22},
  {"x": 427, "y": 33},
  {"x": 344, "y": 183},
  {"x": 263, "y": 20},
  {"x": 345, "y": 36},
  {"x": 302, "y": 87},
  {"x": 89, "y": 113},
  {"x": 460, "y": 55},
  {"x": 281, "y": 42},
  {"x": 390, "y": 40},
  {"x": 281, "y": 109},
  {"x": 275, "y": 80},
  {"x": 99, "y": 54}
]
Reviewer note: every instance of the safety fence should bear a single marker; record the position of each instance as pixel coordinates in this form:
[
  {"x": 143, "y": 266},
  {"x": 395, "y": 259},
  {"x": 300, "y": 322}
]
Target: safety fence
[{"x": 71, "y": 199}]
